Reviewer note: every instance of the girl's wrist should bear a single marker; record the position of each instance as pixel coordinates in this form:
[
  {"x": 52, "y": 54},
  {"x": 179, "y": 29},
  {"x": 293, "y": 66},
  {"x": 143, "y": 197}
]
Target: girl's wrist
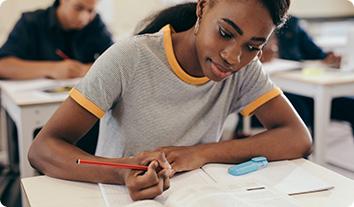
[
  {"x": 205, "y": 153},
  {"x": 122, "y": 174}
]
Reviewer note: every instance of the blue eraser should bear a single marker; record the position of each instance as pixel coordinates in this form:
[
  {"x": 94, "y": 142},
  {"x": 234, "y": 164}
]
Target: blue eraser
[{"x": 249, "y": 166}]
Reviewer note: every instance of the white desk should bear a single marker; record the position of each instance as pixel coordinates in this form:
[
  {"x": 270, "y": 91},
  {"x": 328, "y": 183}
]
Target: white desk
[
  {"x": 43, "y": 191},
  {"x": 322, "y": 88},
  {"x": 30, "y": 108}
]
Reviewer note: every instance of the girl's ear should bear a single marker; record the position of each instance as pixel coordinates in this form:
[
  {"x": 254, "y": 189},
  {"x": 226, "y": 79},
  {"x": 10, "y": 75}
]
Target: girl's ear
[{"x": 201, "y": 5}]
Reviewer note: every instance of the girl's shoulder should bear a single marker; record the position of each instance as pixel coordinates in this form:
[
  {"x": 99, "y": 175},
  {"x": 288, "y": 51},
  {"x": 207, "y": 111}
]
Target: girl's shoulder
[{"x": 254, "y": 66}]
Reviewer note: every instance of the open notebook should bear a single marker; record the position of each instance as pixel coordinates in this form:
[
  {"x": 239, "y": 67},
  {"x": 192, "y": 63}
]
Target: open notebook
[{"x": 213, "y": 186}]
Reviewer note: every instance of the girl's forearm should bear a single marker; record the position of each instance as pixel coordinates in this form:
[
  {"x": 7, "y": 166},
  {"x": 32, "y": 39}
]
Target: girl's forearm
[{"x": 275, "y": 144}]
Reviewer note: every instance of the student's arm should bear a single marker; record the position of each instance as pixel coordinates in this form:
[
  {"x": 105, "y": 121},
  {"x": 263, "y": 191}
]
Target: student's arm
[
  {"x": 16, "y": 68},
  {"x": 54, "y": 154},
  {"x": 286, "y": 137},
  {"x": 309, "y": 49}
]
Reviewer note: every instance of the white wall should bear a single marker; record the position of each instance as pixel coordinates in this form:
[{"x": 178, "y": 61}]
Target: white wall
[
  {"x": 127, "y": 13},
  {"x": 322, "y": 8},
  {"x": 123, "y": 15}
]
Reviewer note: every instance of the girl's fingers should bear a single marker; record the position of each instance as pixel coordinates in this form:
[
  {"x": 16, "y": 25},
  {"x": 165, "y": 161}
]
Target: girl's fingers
[
  {"x": 173, "y": 169},
  {"x": 148, "y": 179},
  {"x": 158, "y": 156},
  {"x": 149, "y": 192},
  {"x": 165, "y": 176}
]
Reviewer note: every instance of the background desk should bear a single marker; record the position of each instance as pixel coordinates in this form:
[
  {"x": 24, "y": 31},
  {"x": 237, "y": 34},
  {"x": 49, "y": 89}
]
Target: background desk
[
  {"x": 43, "y": 191},
  {"x": 29, "y": 108},
  {"x": 322, "y": 88}
]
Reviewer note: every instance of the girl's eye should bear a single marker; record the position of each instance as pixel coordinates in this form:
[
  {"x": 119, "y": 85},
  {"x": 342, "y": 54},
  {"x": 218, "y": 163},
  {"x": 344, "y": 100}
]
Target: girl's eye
[
  {"x": 252, "y": 48},
  {"x": 225, "y": 34}
]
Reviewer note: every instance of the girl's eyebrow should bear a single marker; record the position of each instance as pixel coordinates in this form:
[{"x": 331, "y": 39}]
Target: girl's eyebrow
[
  {"x": 233, "y": 25},
  {"x": 239, "y": 30}
]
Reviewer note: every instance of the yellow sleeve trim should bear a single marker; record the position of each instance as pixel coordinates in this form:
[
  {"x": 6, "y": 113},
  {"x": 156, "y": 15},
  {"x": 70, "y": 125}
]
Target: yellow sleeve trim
[
  {"x": 87, "y": 104},
  {"x": 171, "y": 58},
  {"x": 251, "y": 107}
]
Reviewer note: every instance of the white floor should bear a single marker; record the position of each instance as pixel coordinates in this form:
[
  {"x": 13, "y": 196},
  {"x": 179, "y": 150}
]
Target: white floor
[{"x": 341, "y": 149}]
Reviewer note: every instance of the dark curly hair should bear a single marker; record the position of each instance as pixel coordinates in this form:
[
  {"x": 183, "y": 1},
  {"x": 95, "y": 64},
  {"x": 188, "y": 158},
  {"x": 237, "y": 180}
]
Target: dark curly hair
[{"x": 183, "y": 16}]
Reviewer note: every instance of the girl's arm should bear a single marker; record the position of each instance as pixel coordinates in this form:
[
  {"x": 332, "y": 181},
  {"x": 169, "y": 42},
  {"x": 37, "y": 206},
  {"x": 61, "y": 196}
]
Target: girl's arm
[
  {"x": 286, "y": 137},
  {"x": 54, "y": 154}
]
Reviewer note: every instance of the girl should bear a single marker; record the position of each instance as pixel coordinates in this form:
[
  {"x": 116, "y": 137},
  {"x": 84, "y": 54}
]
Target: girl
[{"x": 168, "y": 94}]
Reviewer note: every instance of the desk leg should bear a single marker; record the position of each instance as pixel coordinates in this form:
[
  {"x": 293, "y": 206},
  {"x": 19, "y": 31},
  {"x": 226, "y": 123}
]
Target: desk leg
[
  {"x": 3, "y": 138},
  {"x": 25, "y": 131},
  {"x": 321, "y": 123},
  {"x": 247, "y": 125}
]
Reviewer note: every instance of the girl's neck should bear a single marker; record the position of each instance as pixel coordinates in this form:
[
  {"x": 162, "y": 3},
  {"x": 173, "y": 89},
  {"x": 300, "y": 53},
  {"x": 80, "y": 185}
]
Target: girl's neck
[{"x": 185, "y": 52}]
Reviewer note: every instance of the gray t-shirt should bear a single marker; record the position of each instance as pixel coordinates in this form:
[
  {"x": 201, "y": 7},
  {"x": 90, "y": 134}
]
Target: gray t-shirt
[{"x": 147, "y": 100}]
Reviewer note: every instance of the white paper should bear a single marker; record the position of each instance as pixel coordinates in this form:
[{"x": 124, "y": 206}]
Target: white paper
[
  {"x": 284, "y": 176},
  {"x": 281, "y": 65},
  {"x": 198, "y": 188},
  {"x": 118, "y": 195}
]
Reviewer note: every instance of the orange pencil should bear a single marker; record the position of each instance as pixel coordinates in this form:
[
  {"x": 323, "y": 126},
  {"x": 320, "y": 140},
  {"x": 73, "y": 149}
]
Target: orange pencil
[
  {"x": 112, "y": 164},
  {"x": 61, "y": 54}
]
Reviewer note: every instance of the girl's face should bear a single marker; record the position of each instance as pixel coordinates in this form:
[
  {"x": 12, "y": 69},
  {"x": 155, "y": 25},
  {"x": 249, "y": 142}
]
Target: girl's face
[{"x": 231, "y": 34}]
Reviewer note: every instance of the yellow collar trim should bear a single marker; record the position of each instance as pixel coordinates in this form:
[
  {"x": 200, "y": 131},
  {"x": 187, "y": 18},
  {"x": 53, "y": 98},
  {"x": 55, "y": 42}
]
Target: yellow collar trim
[{"x": 171, "y": 58}]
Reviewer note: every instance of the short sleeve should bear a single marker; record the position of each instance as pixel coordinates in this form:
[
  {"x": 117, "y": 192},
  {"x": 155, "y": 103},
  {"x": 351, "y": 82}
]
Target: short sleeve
[
  {"x": 254, "y": 89},
  {"x": 18, "y": 43},
  {"x": 107, "y": 80}
]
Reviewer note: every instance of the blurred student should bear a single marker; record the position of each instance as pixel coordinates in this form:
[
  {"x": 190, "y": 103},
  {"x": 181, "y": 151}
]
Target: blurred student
[
  {"x": 292, "y": 42},
  {"x": 59, "y": 42}
]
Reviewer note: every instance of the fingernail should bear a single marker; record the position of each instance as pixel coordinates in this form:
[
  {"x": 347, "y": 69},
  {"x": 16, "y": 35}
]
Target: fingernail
[{"x": 154, "y": 163}]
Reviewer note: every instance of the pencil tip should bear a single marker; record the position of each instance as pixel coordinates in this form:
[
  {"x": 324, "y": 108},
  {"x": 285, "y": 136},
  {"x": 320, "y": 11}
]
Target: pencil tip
[{"x": 78, "y": 161}]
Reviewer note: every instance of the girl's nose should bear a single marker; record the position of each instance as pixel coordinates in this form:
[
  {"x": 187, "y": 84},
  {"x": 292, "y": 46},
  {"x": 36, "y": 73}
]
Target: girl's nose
[{"x": 232, "y": 55}]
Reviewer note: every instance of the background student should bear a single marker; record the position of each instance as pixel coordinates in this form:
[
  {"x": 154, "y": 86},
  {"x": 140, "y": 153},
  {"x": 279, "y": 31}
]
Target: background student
[
  {"x": 175, "y": 89},
  {"x": 292, "y": 42},
  {"x": 59, "y": 42}
]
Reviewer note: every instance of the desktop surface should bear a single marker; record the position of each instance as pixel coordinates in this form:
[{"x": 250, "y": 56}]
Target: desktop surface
[{"x": 45, "y": 191}]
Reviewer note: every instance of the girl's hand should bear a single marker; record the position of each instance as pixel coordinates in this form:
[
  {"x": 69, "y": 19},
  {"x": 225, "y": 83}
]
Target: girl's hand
[
  {"x": 184, "y": 158},
  {"x": 149, "y": 184}
]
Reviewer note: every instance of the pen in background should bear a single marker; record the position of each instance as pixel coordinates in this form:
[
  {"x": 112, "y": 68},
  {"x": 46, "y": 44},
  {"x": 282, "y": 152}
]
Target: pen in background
[
  {"x": 61, "y": 54},
  {"x": 112, "y": 164}
]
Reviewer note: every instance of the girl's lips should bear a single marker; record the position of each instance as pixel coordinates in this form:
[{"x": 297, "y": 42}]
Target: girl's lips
[{"x": 218, "y": 71}]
